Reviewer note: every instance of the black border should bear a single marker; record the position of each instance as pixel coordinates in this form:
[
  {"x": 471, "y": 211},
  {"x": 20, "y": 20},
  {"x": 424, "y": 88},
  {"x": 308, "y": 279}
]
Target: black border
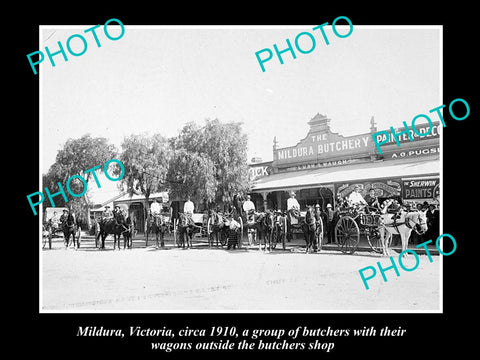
[{"x": 427, "y": 334}]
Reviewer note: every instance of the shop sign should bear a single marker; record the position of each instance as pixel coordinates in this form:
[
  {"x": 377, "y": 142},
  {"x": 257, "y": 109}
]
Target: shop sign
[
  {"x": 414, "y": 153},
  {"x": 421, "y": 188},
  {"x": 256, "y": 172},
  {"x": 320, "y": 146}
]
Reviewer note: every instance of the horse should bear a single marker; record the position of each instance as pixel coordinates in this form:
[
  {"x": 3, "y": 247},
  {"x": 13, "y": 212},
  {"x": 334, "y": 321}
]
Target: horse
[
  {"x": 309, "y": 228},
  {"x": 402, "y": 225},
  {"x": 217, "y": 227},
  {"x": 251, "y": 226},
  {"x": 159, "y": 227},
  {"x": 70, "y": 227},
  {"x": 127, "y": 234},
  {"x": 114, "y": 226},
  {"x": 186, "y": 227},
  {"x": 264, "y": 223}
]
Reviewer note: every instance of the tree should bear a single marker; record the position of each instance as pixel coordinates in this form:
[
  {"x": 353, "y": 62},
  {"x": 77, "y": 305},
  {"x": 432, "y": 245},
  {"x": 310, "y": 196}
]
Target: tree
[
  {"x": 76, "y": 157},
  {"x": 146, "y": 160},
  {"x": 225, "y": 147},
  {"x": 191, "y": 174}
]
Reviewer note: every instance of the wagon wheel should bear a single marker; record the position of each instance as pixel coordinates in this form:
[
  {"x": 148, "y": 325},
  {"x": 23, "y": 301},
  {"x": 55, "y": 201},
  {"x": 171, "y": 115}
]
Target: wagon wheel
[
  {"x": 240, "y": 237},
  {"x": 319, "y": 234},
  {"x": 374, "y": 240},
  {"x": 347, "y": 234}
]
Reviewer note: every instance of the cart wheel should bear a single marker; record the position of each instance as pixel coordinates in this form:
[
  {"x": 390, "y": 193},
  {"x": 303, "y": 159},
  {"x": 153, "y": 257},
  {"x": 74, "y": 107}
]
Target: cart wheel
[
  {"x": 374, "y": 240},
  {"x": 347, "y": 234},
  {"x": 319, "y": 234}
]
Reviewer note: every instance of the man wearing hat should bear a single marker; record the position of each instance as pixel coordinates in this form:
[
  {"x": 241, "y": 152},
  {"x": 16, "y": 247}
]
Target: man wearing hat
[
  {"x": 292, "y": 203},
  {"x": 64, "y": 216},
  {"x": 293, "y": 211},
  {"x": 107, "y": 213},
  {"x": 249, "y": 209},
  {"x": 355, "y": 198},
  {"x": 330, "y": 227}
]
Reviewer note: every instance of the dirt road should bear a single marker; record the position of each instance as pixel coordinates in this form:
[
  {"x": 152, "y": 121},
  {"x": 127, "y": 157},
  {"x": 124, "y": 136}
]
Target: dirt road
[{"x": 203, "y": 279}]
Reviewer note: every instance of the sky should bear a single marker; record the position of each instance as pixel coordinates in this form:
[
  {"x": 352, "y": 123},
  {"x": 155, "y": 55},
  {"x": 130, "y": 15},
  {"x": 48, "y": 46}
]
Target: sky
[{"x": 155, "y": 79}]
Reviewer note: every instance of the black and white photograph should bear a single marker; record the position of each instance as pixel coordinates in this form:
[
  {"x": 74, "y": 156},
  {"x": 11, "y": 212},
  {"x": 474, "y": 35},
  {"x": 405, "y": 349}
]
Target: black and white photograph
[
  {"x": 236, "y": 184},
  {"x": 249, "y": 186}
]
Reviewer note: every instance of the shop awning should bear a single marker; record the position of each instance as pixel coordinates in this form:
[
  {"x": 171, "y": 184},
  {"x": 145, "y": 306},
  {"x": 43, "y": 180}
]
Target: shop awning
[{"x": 329, "y": 175}]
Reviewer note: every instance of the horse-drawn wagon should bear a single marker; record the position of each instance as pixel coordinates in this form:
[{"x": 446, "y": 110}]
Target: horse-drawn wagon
[{"x": 354, "y": 222}]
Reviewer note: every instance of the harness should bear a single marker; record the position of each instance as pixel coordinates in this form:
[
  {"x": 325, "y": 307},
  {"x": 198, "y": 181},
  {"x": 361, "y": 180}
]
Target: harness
[{"x": 407, "y": 223}]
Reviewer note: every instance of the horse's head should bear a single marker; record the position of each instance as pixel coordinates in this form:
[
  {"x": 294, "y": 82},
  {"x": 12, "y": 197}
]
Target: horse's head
[
  {"x": 310, "y": 215},
  {"x": 269, "y": 219},
  {"x": 419, "y": 218}
]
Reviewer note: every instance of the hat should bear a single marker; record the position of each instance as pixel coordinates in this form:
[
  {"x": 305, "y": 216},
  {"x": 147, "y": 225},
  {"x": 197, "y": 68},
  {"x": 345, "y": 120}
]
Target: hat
[
  {"x": 65, "y": 210},
  {"x": 329, "y": 205},
  {"x": 292, "y": 193},
  {"x": 317, "y": 206},
  {"x": 107, "y": 207}
]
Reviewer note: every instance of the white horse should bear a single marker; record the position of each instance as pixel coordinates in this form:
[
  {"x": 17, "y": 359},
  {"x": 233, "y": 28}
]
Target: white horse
[{"x": 402, "y": 226}]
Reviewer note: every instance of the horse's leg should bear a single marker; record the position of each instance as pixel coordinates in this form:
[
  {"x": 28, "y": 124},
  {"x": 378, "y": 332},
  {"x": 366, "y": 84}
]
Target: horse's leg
[{"x": 405, "y": 236}]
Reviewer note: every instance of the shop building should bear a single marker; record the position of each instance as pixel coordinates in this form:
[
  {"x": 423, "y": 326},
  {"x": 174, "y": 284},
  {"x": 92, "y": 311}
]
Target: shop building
[{"x": 326, "y": 165}]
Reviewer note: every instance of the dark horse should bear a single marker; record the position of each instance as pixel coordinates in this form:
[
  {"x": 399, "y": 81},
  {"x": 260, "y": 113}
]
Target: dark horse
[
  {"x": 308, "y": 228},
  {"x": 217, "y": 229},
  {"x": 70, "y": 227},
  {"x": 115, "y": 226},
  {"x": 185, "y": 230},
  {"x": 158, "y": 225},
  {"x": 263, "y": 226}
]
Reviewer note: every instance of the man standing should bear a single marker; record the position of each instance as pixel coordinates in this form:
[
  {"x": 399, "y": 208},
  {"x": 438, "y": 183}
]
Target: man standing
[
  {"x": 330, "y": 227},
  {"x": 155, "y": 208}
]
